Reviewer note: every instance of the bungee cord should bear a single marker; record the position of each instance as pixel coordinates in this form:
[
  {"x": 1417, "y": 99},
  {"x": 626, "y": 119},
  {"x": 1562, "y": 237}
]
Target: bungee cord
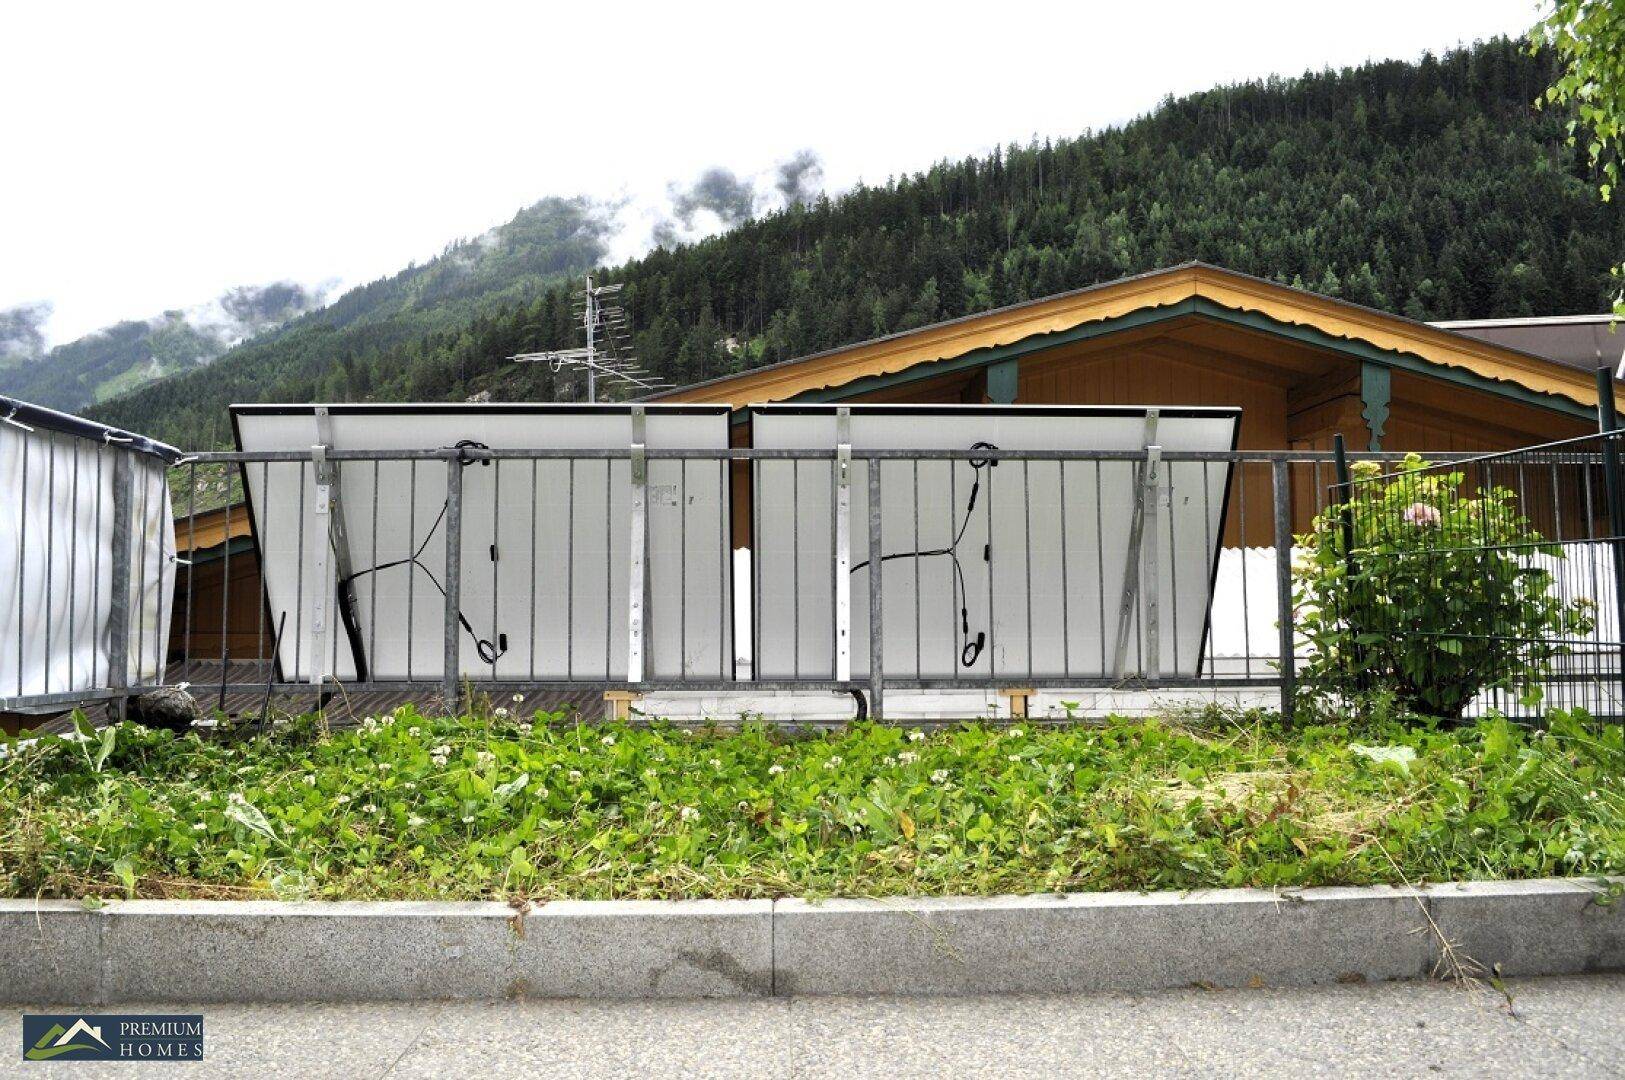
[
  {"x": 970, "y": 649},
  {"x": 488, "y": 651}
]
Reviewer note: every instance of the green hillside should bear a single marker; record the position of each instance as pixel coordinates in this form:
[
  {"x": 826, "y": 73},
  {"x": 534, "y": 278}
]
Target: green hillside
[{"x": 1431, "y": 189}]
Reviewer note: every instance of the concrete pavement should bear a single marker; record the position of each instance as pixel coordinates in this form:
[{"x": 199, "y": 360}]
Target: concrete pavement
[{"x": 1562, "y": 1026}]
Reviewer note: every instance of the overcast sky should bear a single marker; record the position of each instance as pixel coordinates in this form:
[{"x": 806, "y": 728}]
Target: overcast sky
[{"x": 159, "y": 153}]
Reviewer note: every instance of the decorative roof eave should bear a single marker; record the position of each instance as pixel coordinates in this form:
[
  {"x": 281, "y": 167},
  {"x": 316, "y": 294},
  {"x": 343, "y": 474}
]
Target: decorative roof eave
[{"x": 1335, "y": 319}]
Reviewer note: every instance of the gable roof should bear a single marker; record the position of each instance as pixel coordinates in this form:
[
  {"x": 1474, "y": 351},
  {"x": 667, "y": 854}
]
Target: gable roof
[{"x": 1190, "y": 288}]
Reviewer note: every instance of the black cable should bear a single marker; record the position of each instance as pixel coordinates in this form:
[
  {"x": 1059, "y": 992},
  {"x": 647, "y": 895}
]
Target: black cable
[
  {"x": 488, "y": 651},
  {"x": 970, "y": 650}
]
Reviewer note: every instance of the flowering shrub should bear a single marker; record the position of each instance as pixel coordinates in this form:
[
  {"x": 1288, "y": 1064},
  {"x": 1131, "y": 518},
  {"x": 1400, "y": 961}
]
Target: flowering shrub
[{"x": 1443, "y": 594}]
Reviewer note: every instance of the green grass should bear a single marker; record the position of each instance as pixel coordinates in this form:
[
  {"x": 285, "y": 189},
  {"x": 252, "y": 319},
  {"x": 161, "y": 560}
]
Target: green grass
[{"x": 489, "y": 806}]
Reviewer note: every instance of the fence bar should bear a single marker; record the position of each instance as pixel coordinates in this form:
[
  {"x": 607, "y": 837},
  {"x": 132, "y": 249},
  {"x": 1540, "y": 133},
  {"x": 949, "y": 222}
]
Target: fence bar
[
  {"x": 877, "y": 644},
  {"x": 1614, "y": 485},
  {"x": 1152, "y": 572},
  {"x": 1283, "y": 585},
  {"x": 636, "y": 549},
  {"x": 454, "y": 584},
  {"x": 843, "y": 552},
  {"x": 118, "y": 617}
]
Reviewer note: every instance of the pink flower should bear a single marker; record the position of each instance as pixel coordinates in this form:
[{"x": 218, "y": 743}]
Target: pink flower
[{"x": 1421, "y": 514}]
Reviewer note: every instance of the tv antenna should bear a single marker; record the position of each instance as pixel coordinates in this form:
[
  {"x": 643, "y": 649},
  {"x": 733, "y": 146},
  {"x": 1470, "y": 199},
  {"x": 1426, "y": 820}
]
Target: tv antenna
[{"x": 608, "y": 338}]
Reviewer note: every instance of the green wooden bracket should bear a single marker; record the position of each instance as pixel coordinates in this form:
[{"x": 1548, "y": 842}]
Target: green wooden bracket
[
  {"x": 1002, "y": 380},
  {"x": 1376, "y": 388}
]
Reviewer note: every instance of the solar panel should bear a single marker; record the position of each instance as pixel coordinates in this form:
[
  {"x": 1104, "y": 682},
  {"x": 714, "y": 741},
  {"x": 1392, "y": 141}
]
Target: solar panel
[
  {"x": 545, "y": 544},
  {"x": 991, "y": 569}
]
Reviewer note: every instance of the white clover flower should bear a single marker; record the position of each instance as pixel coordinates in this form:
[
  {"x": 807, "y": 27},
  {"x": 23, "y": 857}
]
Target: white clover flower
[
  {"x": 525, "y": 728},
  {"x": 517, "y": 698},
  {"x": 310, "y": 779},
  {"x": 833, "y": 762},
  {"x": 1015, "y": 757},
  {"x": 908, "y": 757},
  {"x": 688, "y": 813},
  {"x": 414, "y": 731},
  {"x": 608, "y": 740},
  {"x": 236, "y": 797},
  {"x": 384, "y": 766},
  {"x": 410, "y": 785},
  {"x": 916, "y": 736},
  {"x": 199, "y": 827},
  {"x": 500, "y": 712},
  {"x": 1015, "y": 733},
  {"x": 441, "y": 751},
  {"x": 575, "y": 774},
  {"x": 484, "y": 757},
  {"x": 940, "y": 776},
  {"x": 342, "y": 799},
  {"x": 888, "y": 760},
  {"x": 413, "y": 821},
  {"x": 369, "y": 808},
  {"x": 716, "y": 763},
  {"x": 468, "y": 819},
  {"x": 541, "y": 793},
  {"x": 774, "y": 770}
]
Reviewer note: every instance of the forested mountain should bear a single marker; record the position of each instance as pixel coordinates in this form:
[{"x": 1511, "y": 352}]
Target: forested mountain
[
  {"x": 1430, "y": 189},
  {"x": 501, "y": 269},
  {"x": 128, "y": 354}
]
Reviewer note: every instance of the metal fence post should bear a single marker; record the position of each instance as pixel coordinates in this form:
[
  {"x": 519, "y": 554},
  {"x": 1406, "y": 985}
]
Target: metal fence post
[
  {"x": 877, "y": 643},
  {"x": 454, "y": 582},
  {"x": 118, "y": 616},
  {"x": 1283, "y": 585},
  {"x": 1614, "y": 487},
  {"x": 1345, "y": 516},
  {"x": 636, "y": 550}
]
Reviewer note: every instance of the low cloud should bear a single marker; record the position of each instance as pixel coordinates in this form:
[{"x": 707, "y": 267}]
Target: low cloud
[
  {"x": 729, "y": 197},
  {"x": 801, "y": 178},
  {"x": 22, "y": 330}
]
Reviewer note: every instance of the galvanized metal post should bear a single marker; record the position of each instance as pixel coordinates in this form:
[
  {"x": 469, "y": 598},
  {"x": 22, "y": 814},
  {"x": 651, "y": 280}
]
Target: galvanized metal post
[
  {"x": 321, "y": 506},
  {"x": 877, "y": 641},
  {"x": 1614, "y": 486},
  {"x": 118, "y": 616},
  {"x": 451, "y": 675},
  {"x": 636, "y": 550},
  {"x": 1283, "y": 586},
  {"x": 1152, "y": 571},
  {"x": 1136, "y": 538},
  {"x": 843, "y": 545}
]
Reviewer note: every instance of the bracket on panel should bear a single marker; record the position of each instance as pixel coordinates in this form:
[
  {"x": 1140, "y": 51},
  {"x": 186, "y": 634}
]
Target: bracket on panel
[
  {"x": 1145, "y": 512},
  {"x": 329, "y": 511},
  {"x": 637, "y": 550},
  {"x": 843, "y": 545}
]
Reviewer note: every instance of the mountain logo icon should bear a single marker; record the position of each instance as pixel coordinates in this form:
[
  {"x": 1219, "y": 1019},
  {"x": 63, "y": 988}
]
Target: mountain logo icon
[{"x": 58, "y": 1041}]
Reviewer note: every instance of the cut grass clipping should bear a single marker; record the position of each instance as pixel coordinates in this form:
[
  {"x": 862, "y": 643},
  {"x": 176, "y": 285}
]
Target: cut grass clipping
[{"x": 492, "y": 806}]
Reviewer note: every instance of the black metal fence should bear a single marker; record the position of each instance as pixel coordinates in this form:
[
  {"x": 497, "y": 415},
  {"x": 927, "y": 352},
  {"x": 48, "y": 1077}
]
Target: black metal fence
[{"x": 1485, "y": 583}]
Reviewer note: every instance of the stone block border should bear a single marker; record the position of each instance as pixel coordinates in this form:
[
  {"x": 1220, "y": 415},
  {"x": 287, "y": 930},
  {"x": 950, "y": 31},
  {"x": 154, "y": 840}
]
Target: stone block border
[{"x": 260, "y": 951}]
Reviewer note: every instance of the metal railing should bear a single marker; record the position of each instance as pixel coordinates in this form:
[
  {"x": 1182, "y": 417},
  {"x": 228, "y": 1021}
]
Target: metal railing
[
  {"x": 85, "y": 572},
  {"x": 587, "y": 621},
  {"x": 581, "y": 572}
]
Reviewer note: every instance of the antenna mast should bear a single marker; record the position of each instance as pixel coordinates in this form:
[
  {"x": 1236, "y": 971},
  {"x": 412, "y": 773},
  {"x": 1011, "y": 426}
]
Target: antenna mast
[{"x": 608, "y": 336}]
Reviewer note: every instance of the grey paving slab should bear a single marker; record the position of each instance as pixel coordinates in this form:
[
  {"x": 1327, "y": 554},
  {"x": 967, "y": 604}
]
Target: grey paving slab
[
  {"x": 1555, "y": 1027},
  {"x": 1585, "y": 1014},
  {"x": 646, "y": 948},
  {"x": 736, "y": 1037},
  {"x": 1096, "y": 941},
  {"x": 1532, "y": 927},
  {"x": 1418, "y": 1028},
  {"x": 993, "y": 1036},
  {"x": 268, "y": 951}
]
